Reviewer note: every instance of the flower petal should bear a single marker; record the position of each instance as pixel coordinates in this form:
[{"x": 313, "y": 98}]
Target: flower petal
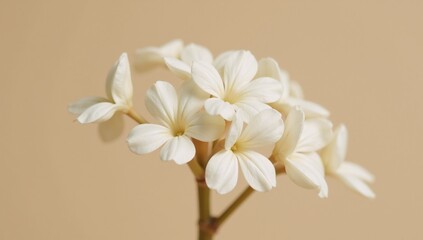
[
  {"x": 357, "y": 185},
  {"x": 162, "y": 102},
  {"x": 119, "y": 81},
  {"x": 205, "y": 128},
  {"x": 234, "y": 132},
  {"x": 248, "y": 108},
  {"x": 268, "y": 67},
  {"x": 193, "y": 52},
  {"x": 334, "y": 154},
  {"x": 349, "y": 168},
  {"x": 207, "y": 78},
  {"x": 83, "y": 104},
  {"x": 99, "y": 112},
  {"x": 191, "y": 100},
  {"x": 317, "y": 132},
  {"x": 311, "y": 109},
  {"x": 264, "y": 129},
  {"x": 146, "y": 138},
  {"x": 178, "y": 67},
  {"x": 151, "y": 57},
  {"x": 222, "y": 172},
  {"x": 293, "y": 128},
  {"x": 220, "y": 61},
  {"x": 258, "y": 170},
  {"x": 306, "y": 170},
  {"x": 295, "y": 90},
  {"x": 264, "y": 90},
  {"x": 240, "y": 69},
  {"x": 179, "y": 149},
  {"x": 215, "y": 106}
]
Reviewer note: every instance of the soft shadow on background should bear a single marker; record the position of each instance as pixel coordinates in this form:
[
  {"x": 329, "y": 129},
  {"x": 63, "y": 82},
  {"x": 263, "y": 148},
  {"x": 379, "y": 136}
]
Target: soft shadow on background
[{"x": 363, "y": 60}]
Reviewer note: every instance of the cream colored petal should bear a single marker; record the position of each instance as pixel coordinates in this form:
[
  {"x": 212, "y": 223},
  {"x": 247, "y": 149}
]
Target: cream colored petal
[
  {"x": 99, "y": 112},
  {"x": 240, "y": 69},
  {"x": 263, "y": 89},
  {"x": 193, "y": 52},
  {"x": 205, "y": 128},
  {"x": 295, "y": 90},
  {"x": 353, "y": 169},
  {"x": 222, "y": 172},
  {"x": 293, "y": 128},
  {"x": 151, "y": 57},
  {"x": 83, "y": 104},
  {"x": 178, "y": 67},
  {"x": 264, "y": 129},
  {"x": 317, "y": 132},
  {"x": 207, "y": 78},
  {"x": 191, "y": 100},
  {"x": 304, "y": 170},
  {"x": 179, "y": 149},
  {"x": 334, "y": 154},
  {"x": 162, "y": 102},
  {"x": 215, "y": 106},
  {"x": 121, "y": 83},
  {"x": 357, "y": 184},
  {"x": 311, "y": 109},
  {"x": 146, "y": 138},
  {"x": 220, "y": 61},
  {"x": 248, "y": 108},
  {"x": 257, "y": 170},
  {"x": 234, "y": 132}
]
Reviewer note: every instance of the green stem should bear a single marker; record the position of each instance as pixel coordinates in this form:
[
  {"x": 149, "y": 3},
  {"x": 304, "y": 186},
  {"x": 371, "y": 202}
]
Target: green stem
[
  {"x": 206, "y": 222},
  {"x": 234, "y": 206}
]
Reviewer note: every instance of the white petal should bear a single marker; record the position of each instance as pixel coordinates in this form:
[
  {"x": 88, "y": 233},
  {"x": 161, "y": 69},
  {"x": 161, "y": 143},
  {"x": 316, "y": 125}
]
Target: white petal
[
  {"x": 268, "y": 67},
  {"x": 264, "y": 90},
  {"x": 293, "y": 128},
  {"x": 151, "y": 57},
  {"x": 306, "y": 171},
  {"x": 146, "y": 138},
  {"x": 215, "y": 106},
  {"x": 178, "y": 67},
  {"x": 207, "y": 78},
  {"x": 248, "y": 108},
  {"x": 193, "y": 52},
  {"x": 357, "y": 185},
  {"x": 234, "y": 132},
  {"x": 264, "y": 129},
  {"x": 99, "y": 112},
  {"x": 179, "y": 149},
  {"x": 222, "y": 172},
  {"x": 191, "y": 100},
  {"x": 83, "y": 104},
  {"x": 310, "y": 109},
  {"x": 258, "y": 170},
  {"x": 205, "y": 128},
  {"x": 334, "y": 153},
  {"x": 119, "y": 81},
  {"x": 349, "y": 168},
  {"x": 220, "y": 61},
  {"x": 240, "y": 69},
  {"x": 317, "y": 132},
  {"x": 295, "y": 90},
  {"x": 162, "y": 102}
]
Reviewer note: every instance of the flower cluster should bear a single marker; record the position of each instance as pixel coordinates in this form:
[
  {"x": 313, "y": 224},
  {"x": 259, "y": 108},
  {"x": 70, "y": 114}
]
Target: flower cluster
[{"x": 228, "y": 110}]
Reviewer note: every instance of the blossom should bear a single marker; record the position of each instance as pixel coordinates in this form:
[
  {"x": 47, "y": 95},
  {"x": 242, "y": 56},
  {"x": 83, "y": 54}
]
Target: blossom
[
  {"x": 235, "y": 90},
  {"x": 353, "y": 175},
  {"x": 119, "y": 96},
  {"x": 292, "y": 95},
  {"x": 152, "y": 57},
  {"x": 180, "y": 120},
  {"x": 240, "y": 148},
  {"x": 296, "y": 150}
]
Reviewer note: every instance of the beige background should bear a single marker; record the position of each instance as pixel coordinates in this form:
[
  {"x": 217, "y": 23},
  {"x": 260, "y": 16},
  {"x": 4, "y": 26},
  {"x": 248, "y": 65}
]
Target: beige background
[{"x": 59, "y": 181}]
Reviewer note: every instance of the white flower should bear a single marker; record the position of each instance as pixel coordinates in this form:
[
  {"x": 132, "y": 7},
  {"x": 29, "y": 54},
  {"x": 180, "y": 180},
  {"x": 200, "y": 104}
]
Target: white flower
[
  {"x": 236, "y": 90},
  {"x": 292, "y": 95},
  {"x": 353, "y": 175},
  {"x": 181, "y": 66},
  {"x": 297, "y": 150},
  {"x": 119, "y": 96},
  {"x": 151, "y": 57},
  {"x": 180, "y": 119},
  {"x": 240, "y": 148}
]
